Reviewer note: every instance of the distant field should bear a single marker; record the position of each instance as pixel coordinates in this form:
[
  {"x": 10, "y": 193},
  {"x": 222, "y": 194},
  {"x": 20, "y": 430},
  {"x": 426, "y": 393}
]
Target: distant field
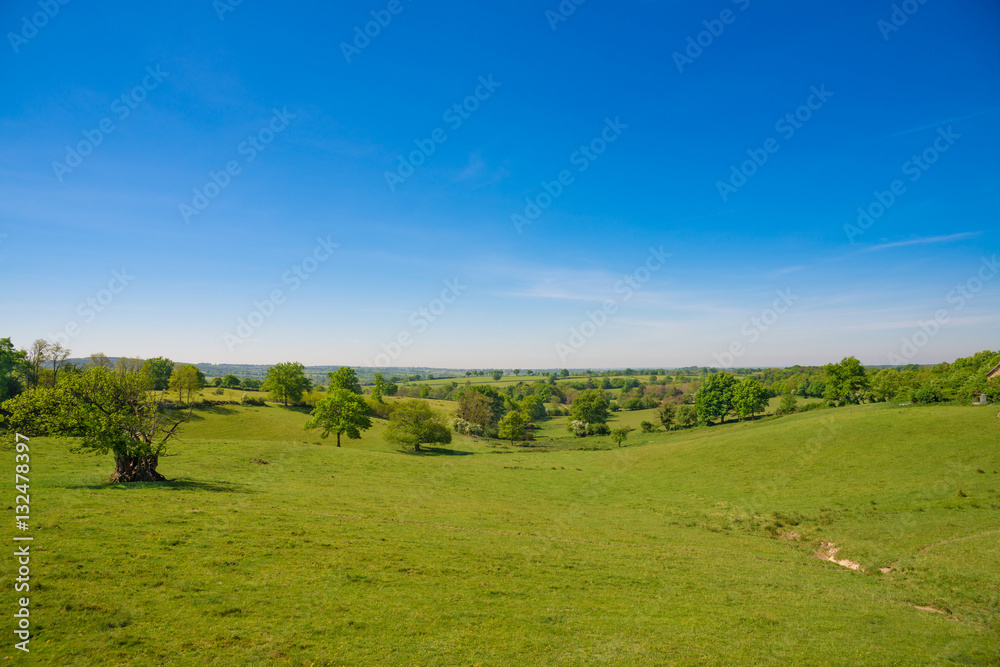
[{"x": 686, "y": 548}]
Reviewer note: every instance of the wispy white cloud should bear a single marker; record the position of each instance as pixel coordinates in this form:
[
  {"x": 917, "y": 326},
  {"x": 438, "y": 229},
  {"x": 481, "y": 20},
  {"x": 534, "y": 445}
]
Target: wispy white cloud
[{"x": 925, "y": 241}]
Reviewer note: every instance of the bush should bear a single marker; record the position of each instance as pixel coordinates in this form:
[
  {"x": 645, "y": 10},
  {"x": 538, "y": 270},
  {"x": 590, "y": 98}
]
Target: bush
[
  {"x": 379, "y": 409},
  {"x": 647, "y": 427},
  {"x": 582, "y": 429},
  {"x": 788, "y": 405},
  {"x": 467, "y": 428},
  {"x": 928, "y": 393},
  {"x": 253, "y": 400}
]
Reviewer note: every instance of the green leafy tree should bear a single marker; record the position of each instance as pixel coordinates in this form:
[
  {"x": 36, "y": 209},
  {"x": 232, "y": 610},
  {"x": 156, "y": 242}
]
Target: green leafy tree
[
  {"x": 788, "y": 404},
  {"x": 845, "y": 381},
  {"x": 12, "y": 369},
  {"x": 341, "y": 411},
  {"x": 186, "y": 381},
  {"x": 564, "y": 373},
  {"x": 648, "y": 427},
  {"x": 749, "y": 397},
  {"x": 533, "y": 407},
  {"x": 496, "y": 375},
  {"x": 620, "y": 435},
  {"x": 512, "y": 426},
  {"x": 114, "y": 412},
  {"x": 250, "y": 384},
  {"x": 687, "y": 416},
  {"x": 590, "y": 407},
  {"x": 230, "y": 381},
  {"x": 101, "y": 359},
  {"x": 715, "y": 397},
  {"x": 345, "y": 378},
  {"x": 414, "y": 423},
  {"x": 667, "y": 415},
  {"x": 38, "y": 354},
  {"x": 391, "y": 388},
  {"x": 378, "y": 387},
  {"x": 160, "y": 369},
  {"x": 886, "y": 384},
  {"x": 286, "y": 382}
]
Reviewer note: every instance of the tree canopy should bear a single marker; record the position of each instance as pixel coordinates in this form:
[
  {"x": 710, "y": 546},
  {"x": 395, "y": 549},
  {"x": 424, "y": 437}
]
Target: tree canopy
[
  {"x": 160, "y": 369},
  {"x": 715, "y": 397},
  {"x": 113, "y": 411},
  {"x": 286, "y": 382},
  {"x": 341, "y": 411},
  {"x": 749, "y": 397},
  {"x": 414, "y": 423},
  {"x": 345, "y": 378},
  {"x": 590, "y": 407},
  {"x": 845, "y": 381}
]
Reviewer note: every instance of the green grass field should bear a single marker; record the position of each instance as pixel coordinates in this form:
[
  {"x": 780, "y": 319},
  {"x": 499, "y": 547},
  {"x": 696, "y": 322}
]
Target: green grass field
[{"x": 686, "y": 548}]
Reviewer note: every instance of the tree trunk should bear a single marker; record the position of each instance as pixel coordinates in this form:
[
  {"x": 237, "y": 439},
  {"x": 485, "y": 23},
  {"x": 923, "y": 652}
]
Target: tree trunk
[
  {"x": 416, "y": 448},
  {"x": 338, "y": 438},
  {"x": 136, "y": 469}
]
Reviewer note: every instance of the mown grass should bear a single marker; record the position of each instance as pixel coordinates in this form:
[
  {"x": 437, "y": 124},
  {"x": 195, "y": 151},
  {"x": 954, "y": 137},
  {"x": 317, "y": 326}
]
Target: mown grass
[{"x": 691, "y": 547}]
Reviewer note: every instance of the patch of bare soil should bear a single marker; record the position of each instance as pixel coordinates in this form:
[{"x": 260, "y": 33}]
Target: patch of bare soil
[
  {"x": 932, "y": 609},
  {"x": 828, "y": 551}
]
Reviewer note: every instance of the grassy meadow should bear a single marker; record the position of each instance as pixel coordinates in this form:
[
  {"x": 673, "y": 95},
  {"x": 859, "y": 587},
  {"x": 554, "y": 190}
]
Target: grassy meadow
[{"x": 271, "y": 546}]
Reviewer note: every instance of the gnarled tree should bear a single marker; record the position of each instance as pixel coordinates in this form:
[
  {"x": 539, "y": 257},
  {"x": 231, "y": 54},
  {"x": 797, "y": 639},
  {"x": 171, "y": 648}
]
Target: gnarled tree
[{"x": 113, "y": 410}]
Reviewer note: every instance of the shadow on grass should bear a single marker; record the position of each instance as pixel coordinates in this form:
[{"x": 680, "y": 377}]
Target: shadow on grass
[
  {"x": 181, "y": 484},
  {"x": 438, "y": 451},
  {"x": 210, "y": 409}
]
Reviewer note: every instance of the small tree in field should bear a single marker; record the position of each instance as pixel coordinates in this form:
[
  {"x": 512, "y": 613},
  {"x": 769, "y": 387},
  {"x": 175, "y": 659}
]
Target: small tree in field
[
  {"x": 788, "y": 405},
  {"x": 414, "y": 423},
  {"x": 512, "y": 426},
  {"x": 286, "y": 382},
  {"x": 342, "y": 411},
  {"x": 345, "y": 378},
  {"x": 667, "y": 415},
  {"x": 186, "y": 380},
  {"x": 749, "y": 397},
  {"x": 620, "y": 435}
]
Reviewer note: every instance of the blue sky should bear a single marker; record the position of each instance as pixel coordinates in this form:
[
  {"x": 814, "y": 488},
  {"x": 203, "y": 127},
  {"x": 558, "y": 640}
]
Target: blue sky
[{"x": 641, "y": 122}]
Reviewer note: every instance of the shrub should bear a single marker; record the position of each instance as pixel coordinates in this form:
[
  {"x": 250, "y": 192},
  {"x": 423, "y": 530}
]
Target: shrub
[
  {"x": 647, "y": 427},
  {"x": 788, "y": 405},
  {"x": 928, "y": 393},
  {"x": 380, "y": 409},
  {"x": 253, "y": 400}
]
